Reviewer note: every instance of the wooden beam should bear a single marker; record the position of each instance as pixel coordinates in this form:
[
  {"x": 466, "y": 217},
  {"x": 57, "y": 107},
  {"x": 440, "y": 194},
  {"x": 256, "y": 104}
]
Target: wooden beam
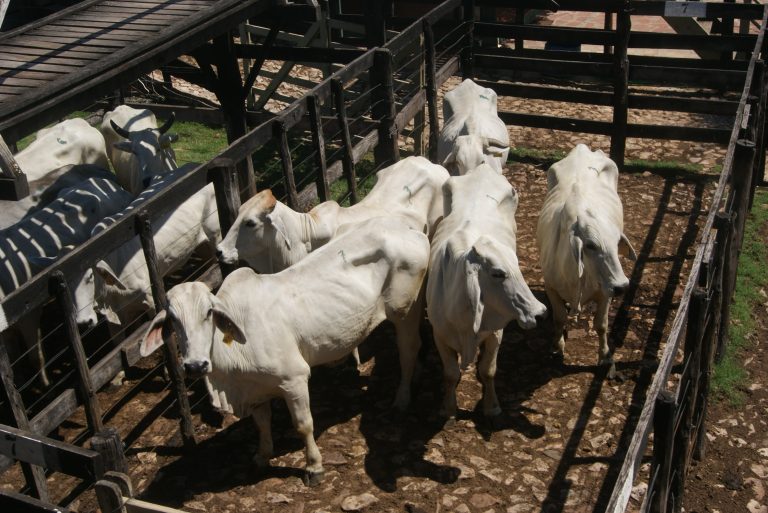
[
  {"x": 20, "y": 503},
  {"x": 46, "y": 452},
  {"x": 299, "y": 54}
]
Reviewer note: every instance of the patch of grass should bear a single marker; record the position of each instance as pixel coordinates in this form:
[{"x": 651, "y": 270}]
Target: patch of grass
[
  {"x": 197, "y": 142},
  {"x": 519, "y": 154},
  {"x": 730, "y": 376}
]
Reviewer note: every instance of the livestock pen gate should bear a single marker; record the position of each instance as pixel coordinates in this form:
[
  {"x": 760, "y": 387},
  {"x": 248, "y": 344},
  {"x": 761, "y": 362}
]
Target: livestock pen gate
[{"x": 326, "y": 135}]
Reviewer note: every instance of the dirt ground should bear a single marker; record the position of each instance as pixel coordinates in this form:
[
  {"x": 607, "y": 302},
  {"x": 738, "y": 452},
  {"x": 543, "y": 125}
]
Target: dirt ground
[
  {"x": 563, "y": 426},
  {"x": 733, "y": 475}
]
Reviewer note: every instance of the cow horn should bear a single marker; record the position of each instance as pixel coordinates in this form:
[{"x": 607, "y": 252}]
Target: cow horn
[
  {"x": 122, "y": 132},
  {"x": 167, "y": 125}
]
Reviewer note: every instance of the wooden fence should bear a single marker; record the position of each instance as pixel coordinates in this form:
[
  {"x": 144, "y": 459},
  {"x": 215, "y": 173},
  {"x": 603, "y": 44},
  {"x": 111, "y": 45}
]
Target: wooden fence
[{"x": 373, "y": 99}]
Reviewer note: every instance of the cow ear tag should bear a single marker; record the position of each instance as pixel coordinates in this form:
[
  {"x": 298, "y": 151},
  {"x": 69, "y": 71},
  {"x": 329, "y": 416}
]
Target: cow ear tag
[{"x": 228, "y": 338}]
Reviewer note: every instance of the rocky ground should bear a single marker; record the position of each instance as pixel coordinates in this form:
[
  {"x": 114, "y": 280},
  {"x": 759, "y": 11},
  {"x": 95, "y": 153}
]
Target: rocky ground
[{"x": 564, "y": 426}]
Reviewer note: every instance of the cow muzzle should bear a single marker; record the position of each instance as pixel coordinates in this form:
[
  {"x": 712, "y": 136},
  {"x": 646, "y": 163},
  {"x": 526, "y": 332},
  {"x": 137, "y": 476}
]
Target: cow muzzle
[{"x": 196, "y": 369}]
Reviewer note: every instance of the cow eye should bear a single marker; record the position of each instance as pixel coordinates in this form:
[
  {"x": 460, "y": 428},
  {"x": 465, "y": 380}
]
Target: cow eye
[
  {"x": 209, "y": 313},
  {"x": 498, "y": 273},
  {"x": 250, "y": 223}
]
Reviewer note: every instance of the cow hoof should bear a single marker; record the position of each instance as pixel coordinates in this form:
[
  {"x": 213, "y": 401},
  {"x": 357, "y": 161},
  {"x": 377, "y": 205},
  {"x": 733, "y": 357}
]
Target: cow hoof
[
  {"x": 260, "y": 461},
  {"x": 313, "y": 478},
  {"x": 495, "y": 421}
]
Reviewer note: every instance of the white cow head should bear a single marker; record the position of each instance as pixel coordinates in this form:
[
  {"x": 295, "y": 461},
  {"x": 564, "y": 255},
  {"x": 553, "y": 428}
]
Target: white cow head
[
  {"x": 258, "y": 231},
  {"x": 152, "y": 150},
  {"x": 198, "y": 318},
  {"x": 469, "y": 151},
  {"x": 596, "y": 242},
  {"x": 498, "y": 292}
]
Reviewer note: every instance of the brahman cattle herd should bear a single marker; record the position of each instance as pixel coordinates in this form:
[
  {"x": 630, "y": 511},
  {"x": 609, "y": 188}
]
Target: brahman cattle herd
[{"x": 314, "y": 285}]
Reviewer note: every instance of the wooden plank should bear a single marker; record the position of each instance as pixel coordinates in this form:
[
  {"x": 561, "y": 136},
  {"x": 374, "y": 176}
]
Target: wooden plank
[
  {"x": 556, "y": 123},
  {"x": 46, "y": 452},
  {"x": 40, "y": 22},
  {"x": 552, "y": 67},
  {"x": 101, "y": 27},
  {"x": 383, "y": 110},
  {"x": 127, "y": 11},
  {"x": 48, "y": 47},
  {"x": 542, "y": 33},
  {"x": 299, "y": 54},
  {"x": 347, "y": 160},
  {"x": 26, "y": 74},
  {"x": 20, "y": 503},
  {"x": 87, "y": 33},
  {"x": 318, "y": 143},
  {"x": 727, "y": 79},
  {"x": 76, "y": 41},
  {"x": 35, "y": 66},
  {"x": 281, "y": 133},
  {"x": 26, "y": 82},
  {"x": 35, "y": 56},
  {"x": 148, "y": 19}
]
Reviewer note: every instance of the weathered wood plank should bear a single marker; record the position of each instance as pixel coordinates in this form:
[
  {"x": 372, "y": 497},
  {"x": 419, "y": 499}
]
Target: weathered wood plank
[{"x": 20, "y": 503}]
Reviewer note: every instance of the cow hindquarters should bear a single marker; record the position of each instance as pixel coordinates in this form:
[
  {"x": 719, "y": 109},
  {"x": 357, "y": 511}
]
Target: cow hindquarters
[
  {"x": 296, "y": 394},
  {"x": 486, "y": 369}
]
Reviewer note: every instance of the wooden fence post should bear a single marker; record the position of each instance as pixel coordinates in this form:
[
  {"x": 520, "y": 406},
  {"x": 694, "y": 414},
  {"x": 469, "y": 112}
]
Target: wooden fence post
[
  {"x": 347, "y": 158},
  {"x": 743, "y": 161},
  {"x": 431, "y": 79},
  {"x": 375, "y": 23},
  {"x": 105, "y": 441},
  {"x": 386, "y": 151},
  {"x": 232, "y": 98},
  {"x": 694, "y": 336},
  {"x": 33, "y": 474},
  {"x": 467, "y": 64},
  {"x": 281, "y": 132},
  {"x": 170, "y": 349},
  {"x": 225, "y": 186},
  {"x": 621, "y": 86},
  {"x": 758, "y": 124},
  {"x": 318, "y": 141},
  {"x": 519, "y": 20},
  {"x": 663, "y": 445}
]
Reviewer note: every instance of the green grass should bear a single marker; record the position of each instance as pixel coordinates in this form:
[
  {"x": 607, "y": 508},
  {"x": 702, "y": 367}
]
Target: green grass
[
  {"x": 730, "y": 376},
  {"x": 197, "y": 142}
]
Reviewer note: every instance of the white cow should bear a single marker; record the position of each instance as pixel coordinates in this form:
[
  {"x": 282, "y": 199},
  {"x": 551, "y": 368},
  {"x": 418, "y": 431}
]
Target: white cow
[
  {"x": 46, "y": 189},
  {"x": 73, "y": 141},
  {"x": 137, "y": 148},
  {"x": 580, "y": 235},
  {"x": 311, "y": 314},
  {"x": 119, "y": 286},
  {"x": 269, "y": 236},
  {"x": 472, "y": 132},
  {"x": 475, "y": 287},
  {"x": 38, "y": 239}
]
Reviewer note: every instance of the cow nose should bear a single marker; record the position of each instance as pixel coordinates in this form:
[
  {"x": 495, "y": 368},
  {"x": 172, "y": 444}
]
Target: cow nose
[
  {"x": 619, "y": 290},
  {"x": 196, "y": 368},
  {"x": 542, "y": 315},
  {"x": 219, "y": 253}
]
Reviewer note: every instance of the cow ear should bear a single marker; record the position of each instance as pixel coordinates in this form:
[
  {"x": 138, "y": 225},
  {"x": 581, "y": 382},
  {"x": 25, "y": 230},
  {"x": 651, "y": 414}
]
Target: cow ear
[
  {"x": 224, "y": 322},
  {"x": 153, "y": 338},
  {"x": 277, "y": 223},
  {"x": 124, "y": 146},
  {"x": 577, "y": 247},
  {"x": 626, "y": 249},
  {"x": 109, "y": 277},
  {"x": 449, "y": 159}
]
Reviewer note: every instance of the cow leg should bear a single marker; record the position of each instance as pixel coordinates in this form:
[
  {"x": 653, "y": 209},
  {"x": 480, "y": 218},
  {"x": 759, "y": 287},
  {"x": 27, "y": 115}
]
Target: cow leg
[
  {"x": 605, "y": 351},
  {"x": 408, "y": 345},
  {"x": 559, "y": 317},
  {"x": 486, "y": 368},
  {"x": 451, "y": 376},
  {"x": 297, "y": 399},
  {"x": 262, "y": 416}
]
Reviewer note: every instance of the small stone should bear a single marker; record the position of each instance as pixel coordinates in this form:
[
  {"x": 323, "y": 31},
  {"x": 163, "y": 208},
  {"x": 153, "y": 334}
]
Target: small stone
[
  {"x": 521, "y": 508},
  {"x": 600, "y": 440},
  {"x": 465, "y": 472},
  {"x": 755, "y": 507},
  {"x": 479, "y": 462},
  {"x": 462, "y": 508},
  {"x": 277, "y": 498},
  {"x": 334, "y": 458},
  {"x": 358, "y": 502},
  {"x": 449, "y": 500},
  {"x": 638, "y": 492},
  {"x": 196, "y": 505},
  {"x": 532, "y": 481},
  {"x": 461, "y": 491},
  {"x": 522, "y": 456},
  {"x": 434, "y": 456},
  {"x": 759, "y": 470},
  {"x": 490, "y": 475},
  {"x": 555, "y": 455},
  {"x": 483, "y": 500}
]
